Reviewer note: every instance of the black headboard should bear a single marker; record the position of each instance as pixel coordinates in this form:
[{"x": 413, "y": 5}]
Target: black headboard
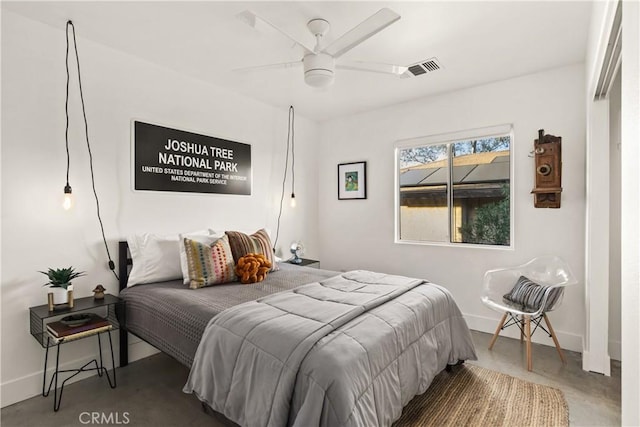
[{"x": 124, "y": 261}]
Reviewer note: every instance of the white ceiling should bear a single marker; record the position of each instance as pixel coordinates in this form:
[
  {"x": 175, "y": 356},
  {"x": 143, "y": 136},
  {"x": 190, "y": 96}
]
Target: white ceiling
[{"x": 476, "y": 42}]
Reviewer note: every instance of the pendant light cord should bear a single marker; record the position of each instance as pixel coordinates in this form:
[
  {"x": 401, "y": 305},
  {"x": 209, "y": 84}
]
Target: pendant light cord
[
  {"x": 112, "y": 265},
  {"x": 290, "y": 135},
  {"x": 66, "y": 106},
  {"x": 293, "y": 151}
]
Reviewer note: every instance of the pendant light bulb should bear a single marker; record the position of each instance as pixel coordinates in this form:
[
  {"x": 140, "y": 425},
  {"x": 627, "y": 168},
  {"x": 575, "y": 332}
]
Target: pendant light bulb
[
  {"x": 68, "y": 198},
  {"x": 293, "y": 200}
]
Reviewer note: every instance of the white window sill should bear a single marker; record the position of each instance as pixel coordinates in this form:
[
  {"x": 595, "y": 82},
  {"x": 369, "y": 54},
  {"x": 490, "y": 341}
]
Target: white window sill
[{"x": 456, "y": 245}]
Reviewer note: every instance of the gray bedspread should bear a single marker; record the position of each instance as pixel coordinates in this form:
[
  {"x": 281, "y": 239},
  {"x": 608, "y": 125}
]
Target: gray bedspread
[
  {"x": 347, "y": 351},
  {"x": 172, "y": 317}
]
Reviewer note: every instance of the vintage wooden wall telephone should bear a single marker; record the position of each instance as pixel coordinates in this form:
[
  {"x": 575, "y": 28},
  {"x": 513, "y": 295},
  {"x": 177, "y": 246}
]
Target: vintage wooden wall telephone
[{"x": 548, "y": 157}]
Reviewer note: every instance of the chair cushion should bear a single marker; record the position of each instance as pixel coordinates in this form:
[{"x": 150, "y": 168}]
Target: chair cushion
[{"x": 529, "y": 294}]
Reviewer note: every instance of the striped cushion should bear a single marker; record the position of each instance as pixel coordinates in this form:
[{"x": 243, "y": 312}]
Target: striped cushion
[
  {"x": 258, "y": 243},
  {"x": 529, "y": 294},
  {"x": 209, "y": 264}
]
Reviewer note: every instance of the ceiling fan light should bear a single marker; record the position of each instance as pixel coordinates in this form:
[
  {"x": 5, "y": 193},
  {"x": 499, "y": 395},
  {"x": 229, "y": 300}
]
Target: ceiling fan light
[
  {"x": 318, "y": 77},
  {"x": 319, "y": 69}
]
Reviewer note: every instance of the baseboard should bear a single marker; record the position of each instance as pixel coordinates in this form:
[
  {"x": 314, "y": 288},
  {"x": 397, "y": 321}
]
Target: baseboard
[
  {"x": 139, "y": 349},
  {"x": 28, "y": 386},
  {"x": 615, "y": 350},
  {"x": 567, "y": 340},
  {"x": 597, "y": 366}
]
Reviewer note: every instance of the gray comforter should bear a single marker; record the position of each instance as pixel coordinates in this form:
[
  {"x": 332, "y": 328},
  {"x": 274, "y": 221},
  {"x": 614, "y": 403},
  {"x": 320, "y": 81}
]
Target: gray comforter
[
  {"x": 172, "y": 317},
  {"x": 351, "y": 350}
]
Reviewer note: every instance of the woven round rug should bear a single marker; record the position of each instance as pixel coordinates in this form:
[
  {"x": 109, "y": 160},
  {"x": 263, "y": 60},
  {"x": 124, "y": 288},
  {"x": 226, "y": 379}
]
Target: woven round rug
[{"x": 474, "y": 396}]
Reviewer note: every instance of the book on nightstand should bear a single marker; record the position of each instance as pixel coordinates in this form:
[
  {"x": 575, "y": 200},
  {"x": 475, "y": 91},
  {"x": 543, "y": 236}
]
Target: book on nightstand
[{"x": 66, "y": 331}]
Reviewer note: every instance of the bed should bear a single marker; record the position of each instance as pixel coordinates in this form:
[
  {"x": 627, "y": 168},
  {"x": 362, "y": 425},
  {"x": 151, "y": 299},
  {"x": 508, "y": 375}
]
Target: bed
[
  {"x": 172, "y": 318},
  {"x": 304, "y": 347}
]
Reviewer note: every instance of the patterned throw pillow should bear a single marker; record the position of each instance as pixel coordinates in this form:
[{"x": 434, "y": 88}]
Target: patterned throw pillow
[
  {"x": 529, "y": 294},
  {"x": 258, "y": 243},
  {"x": 209, "y": 264}
]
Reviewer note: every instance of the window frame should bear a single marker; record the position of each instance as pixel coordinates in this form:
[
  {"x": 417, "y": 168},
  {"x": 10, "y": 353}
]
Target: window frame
[{"x": 450, "y": 138}]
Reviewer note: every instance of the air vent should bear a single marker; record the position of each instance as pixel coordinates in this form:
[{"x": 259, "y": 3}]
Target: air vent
[
  {"x": 431, "y": 65},
  {"x": 416, "y": 70},
  {"x": 423, "y": 67}
]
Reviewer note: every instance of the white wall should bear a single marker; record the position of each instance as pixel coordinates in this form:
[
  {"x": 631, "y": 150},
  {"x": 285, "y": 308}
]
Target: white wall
[
  {"x": 360, "y": 234},
  {"x": 630, "y": 207},
  {"x": 37, "y": 233}
]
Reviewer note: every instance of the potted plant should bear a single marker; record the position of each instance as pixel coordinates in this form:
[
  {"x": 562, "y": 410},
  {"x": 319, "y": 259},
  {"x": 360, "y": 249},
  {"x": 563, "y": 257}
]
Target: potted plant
[{"x": 60, "y": 282}]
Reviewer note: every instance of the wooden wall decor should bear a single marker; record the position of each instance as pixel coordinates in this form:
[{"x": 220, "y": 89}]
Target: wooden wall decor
[{"x": 548, "y": 157}]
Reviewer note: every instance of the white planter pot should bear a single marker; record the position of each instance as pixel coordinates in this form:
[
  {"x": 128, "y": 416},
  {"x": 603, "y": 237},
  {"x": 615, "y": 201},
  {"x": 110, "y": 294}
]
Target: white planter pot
[{"x": 60, "y": 295}]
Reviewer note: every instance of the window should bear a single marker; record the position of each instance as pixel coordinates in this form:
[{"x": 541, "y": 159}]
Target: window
[{"x": 455, "y": 188}]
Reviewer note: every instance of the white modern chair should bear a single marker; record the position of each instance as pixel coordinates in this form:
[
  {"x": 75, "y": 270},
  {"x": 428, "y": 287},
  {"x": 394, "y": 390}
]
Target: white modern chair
[{"x": 549, "y": 271}]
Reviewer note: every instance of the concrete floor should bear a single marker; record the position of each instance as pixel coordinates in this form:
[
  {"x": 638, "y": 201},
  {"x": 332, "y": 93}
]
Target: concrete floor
[
  {"x": 149, "y": 391},
  {"x": 594, "y": 399}
]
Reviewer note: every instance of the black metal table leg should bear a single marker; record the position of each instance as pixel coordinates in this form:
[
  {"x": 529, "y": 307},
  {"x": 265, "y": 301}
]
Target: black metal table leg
[
  {"x": 56, "y": 402},
  {"x": 113, "y": 362},
  {"x": 44, "y": 372},
  {"x": 100, "y": 353},
  {"x": 57, "y": 395},
  {"x": 44, "y": 375}
]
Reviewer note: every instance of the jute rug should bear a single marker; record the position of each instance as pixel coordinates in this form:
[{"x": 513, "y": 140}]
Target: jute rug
[{"x": 474, "y": 396}]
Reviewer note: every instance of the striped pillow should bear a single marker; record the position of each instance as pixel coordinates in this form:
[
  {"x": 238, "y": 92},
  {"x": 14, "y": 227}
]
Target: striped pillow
[
  {"x": 529, "y": 295},
  {"x": 209, "y": 264},
  {"x": 258, "y": 243}
]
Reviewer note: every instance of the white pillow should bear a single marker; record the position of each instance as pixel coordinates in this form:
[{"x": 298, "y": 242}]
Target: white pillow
[
  {"x": 155, "y": 258},
  {"x": 205, "y": 239}
]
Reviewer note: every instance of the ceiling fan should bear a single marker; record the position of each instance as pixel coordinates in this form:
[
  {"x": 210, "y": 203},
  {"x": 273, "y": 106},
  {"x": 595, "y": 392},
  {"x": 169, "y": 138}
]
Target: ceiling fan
[{"x": 320, "y": 61}]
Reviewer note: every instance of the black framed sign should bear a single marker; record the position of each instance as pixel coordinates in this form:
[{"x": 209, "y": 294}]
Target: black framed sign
[{"x": 168, "y": 159}]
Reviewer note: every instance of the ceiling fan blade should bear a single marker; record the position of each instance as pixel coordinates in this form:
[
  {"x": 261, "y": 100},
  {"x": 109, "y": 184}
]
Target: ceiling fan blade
[
  {"x": 370, "y": 26},
  {"x": 263, "y": 25},
  {"x": 373, "y": 67},
  {"x": 281, "y": 65}
]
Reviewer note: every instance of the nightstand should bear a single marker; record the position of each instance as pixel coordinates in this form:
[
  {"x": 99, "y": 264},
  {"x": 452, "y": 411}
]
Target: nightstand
[
  {"x": 111, "y": 308},
  {"x": 306, "y": 263}
]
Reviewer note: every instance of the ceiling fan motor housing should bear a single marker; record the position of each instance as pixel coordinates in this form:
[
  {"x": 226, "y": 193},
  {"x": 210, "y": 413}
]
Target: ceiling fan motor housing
[{"x": 319, "y": 69}]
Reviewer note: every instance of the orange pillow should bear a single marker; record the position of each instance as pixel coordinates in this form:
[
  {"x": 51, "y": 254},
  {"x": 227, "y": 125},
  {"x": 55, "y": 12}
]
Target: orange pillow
[{"x": 253, "y": 268}]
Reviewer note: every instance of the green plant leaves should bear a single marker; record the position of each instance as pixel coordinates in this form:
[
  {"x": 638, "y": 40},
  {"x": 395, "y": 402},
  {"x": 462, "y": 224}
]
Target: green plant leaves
[{"x": 60, "y": 277}]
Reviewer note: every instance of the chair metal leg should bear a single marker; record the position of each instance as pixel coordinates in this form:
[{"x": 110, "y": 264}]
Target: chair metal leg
[
  {"x": 495, "y": 336},
  {"x": 555, "y": 339},
  {"x": 527, "y": 327},
  {"x": 521, "y": 328}
]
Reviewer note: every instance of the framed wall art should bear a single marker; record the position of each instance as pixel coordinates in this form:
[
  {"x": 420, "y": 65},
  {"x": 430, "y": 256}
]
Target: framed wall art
[
  {"x": 167, "y": 159},
  {"x": 352, "y": 181}
]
